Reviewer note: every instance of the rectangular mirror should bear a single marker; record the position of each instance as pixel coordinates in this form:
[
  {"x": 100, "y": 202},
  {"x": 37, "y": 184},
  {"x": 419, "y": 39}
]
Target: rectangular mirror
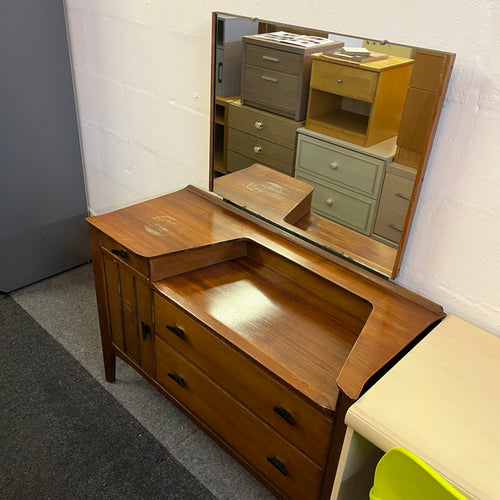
[{"x": 325, "y": 134}]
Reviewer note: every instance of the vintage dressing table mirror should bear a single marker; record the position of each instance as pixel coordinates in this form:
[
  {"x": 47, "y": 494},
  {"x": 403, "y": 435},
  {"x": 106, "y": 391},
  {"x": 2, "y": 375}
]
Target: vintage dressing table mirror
[
  {"x": 248, "y": 315},
  {"x": 360, "y": 192}
]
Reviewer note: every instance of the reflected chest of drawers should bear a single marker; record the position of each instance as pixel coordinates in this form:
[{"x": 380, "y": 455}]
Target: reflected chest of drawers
[
  {"x": 347, "y": 179},
  {"x": 257, "y": 136},
  {"x": 275, "y": 75},
  {"x": 395, "y": 199}
]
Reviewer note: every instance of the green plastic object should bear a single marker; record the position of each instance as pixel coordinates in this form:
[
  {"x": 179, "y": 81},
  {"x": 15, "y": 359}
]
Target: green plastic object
[{"x": 400, "y": 475}]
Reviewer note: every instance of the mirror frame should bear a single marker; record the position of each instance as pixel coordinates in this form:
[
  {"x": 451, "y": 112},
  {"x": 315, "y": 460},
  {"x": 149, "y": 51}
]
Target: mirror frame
[{"x": 420, "y": 169}]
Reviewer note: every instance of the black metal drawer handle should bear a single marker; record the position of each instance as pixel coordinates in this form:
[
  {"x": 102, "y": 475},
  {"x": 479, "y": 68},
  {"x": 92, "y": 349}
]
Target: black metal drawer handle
[
  {"x": 284, "y": 414},
  {"x": 278, "y": 464},
  {"x": 176, "y": 331},
  {"x": 120, "y": 253},
  {"x": 145, "y": 330},
  {"x": 177, "y": 378}
]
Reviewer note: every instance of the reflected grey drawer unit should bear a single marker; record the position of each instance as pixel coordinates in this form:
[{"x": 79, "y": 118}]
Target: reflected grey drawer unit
[
  {"x": 347, "y": 180},
  {"x": 275, "y": 76},
  {"x": 394, "y": 203}
]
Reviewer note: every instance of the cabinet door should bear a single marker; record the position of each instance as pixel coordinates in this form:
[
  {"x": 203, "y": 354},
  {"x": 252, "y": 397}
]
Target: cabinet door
[{"x": 130, "y": 314}]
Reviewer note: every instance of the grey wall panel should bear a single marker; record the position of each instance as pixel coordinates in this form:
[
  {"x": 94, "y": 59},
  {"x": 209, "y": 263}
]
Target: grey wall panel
[{"x": 41, "y": 174}]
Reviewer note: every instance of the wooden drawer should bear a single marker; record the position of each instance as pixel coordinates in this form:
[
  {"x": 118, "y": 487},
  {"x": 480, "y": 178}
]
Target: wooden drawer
[
  {"x": 307, "y": 428},
  {"x": 346, "y": 81},
  {"x": 342, "y": 166},
  {"x": 119, "y": 253},
  {"x": 259, "y": 123},
  {"x": 274, "y": 59},
  {"x": 239, "y": 428},
  {"x": 261, "y": 151},
  {"x": 342, "y": 205},
  {"x": 272, "y": 89},
  {"x": 390, "y": 223}
]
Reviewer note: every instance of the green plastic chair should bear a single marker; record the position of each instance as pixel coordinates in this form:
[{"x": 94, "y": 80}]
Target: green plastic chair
[{"x": 400, "y": 475}]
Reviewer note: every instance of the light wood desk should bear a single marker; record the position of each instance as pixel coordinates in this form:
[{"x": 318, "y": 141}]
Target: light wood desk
[{"x": 442, "y": 402}]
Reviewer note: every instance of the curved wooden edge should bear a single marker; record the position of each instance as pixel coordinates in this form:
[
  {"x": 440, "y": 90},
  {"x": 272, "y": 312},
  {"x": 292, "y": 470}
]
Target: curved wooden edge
[{"x": 378, "y": 348}]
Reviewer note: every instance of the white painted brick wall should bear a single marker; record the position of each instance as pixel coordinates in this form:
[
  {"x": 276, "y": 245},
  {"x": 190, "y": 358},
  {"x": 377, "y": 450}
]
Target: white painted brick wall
[{"x": 142, "y": 71}]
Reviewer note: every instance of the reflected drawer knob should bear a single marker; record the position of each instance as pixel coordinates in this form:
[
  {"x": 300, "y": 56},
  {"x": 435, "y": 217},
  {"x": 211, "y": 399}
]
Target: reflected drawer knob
[
  {"x": 329, "y": 202},
  {"x": 257, "y": 149},
  {"x": 339, "y": 80},
  {"x": 334, "y": 165},
  {"x": 258, "y": 125}
]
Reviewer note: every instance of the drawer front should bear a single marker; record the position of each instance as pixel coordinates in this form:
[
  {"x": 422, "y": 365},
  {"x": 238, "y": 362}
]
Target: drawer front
[
  {"x": 236, "y": 162},
  {"x": 355, "y": 83},
  {"x": 270, "y": 89},
  {"x": 340, "y": 165},
  {"x": 258, "y": 123},
  {"x": 306, "y": 428},
  {"x": 342, "y": 206},
  {"x": 260, "y": 150},
  {"x": 396, "y": 192},
  {"x": 390, "y": 223},
  {"x": 121, "y": 254},
  {"x": 242, "y": 430},
  {"x": 274, "y": 59}
]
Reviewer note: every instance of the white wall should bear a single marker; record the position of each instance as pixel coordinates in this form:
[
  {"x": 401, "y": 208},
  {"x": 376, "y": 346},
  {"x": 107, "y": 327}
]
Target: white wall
[{"x": 142, "y": 75}]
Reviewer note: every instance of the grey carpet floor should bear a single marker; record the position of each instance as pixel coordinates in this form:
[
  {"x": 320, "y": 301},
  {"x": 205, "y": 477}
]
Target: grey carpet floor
[
  {"x": 64, "y": 437},
  {"x": 65, "y": 307}
]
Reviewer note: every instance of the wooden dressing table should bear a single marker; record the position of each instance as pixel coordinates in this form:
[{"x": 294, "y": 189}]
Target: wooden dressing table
[{"x": 262, "y": 339}]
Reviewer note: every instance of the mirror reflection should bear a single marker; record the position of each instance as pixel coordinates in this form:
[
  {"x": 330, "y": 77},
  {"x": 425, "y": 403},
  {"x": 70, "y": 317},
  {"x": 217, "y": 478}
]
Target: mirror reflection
[{"x": 326, "y": 134}]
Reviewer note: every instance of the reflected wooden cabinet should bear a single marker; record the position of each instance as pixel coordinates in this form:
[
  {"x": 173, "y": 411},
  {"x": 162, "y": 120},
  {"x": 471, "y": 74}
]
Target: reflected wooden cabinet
[{"x": 360, "y": 103}]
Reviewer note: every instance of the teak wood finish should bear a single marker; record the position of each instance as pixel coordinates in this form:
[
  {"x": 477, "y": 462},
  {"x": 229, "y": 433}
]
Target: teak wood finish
[{"x": 262, "y": 341}]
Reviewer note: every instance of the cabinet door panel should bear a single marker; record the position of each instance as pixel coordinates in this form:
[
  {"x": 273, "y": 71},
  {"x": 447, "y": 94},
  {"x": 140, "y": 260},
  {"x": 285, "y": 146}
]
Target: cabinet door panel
[
  {"x": 130, "y": 313},
  {"x": 113, "y": 290}
]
